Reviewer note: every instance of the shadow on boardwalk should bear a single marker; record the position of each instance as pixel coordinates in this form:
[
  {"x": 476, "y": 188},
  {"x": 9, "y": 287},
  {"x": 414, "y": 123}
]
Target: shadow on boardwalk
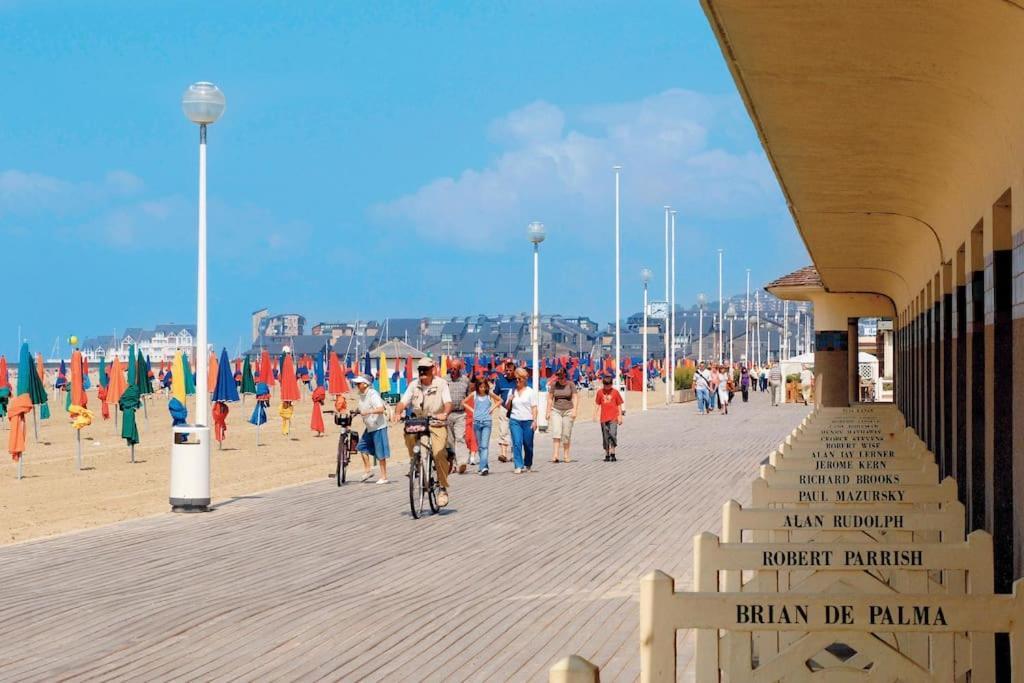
[{"x": 317, "y": 581}]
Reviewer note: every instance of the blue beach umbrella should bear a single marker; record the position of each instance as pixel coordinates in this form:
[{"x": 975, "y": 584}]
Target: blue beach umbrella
[
  {"x": 367, "y": 367},
  {"x": 225, "y": 390},
  {"x": 318, "y": 370}
]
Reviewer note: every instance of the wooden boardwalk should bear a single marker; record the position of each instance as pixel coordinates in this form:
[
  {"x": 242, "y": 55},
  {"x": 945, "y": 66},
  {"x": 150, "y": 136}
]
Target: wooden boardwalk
[{"x": 319, "y": 583}]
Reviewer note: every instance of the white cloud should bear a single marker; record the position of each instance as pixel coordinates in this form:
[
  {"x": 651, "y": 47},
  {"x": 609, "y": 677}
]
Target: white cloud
[
  {"x": 28, "y": 193},
  {"x": 667, "y": 144}
]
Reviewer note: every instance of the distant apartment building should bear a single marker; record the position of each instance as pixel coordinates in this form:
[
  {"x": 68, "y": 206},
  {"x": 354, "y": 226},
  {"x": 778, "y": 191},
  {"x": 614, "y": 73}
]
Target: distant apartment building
[
  {"x": 280, "y": 325},
  {"x": 159, "y": 344}
]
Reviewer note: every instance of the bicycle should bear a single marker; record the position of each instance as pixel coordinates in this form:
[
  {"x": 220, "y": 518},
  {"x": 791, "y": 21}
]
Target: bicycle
[
  {"x": 423, "y": 486},
  {"x": 348, "y": 439}
]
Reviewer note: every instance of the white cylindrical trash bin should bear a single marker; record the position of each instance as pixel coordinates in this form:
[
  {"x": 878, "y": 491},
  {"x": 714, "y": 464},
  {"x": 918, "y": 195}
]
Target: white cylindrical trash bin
[{"x": 190, "y": 469}]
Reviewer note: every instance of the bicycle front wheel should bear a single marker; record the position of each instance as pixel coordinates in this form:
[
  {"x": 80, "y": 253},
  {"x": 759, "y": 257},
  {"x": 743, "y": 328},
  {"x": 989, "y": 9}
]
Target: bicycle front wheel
[
  {"x": 432, "y": 485},
  {"x": 339, "y": 475},
  {"x": 414, "y": 486}
]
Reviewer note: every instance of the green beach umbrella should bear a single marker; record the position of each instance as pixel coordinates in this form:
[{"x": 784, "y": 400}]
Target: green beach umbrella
[
  {"x": 129, "y": 403},
  {"x": 144, "y": 384},
  {"x": 248, "y": 383},
  {"x": 103, "y": 373},
  {"x": 190, "y": 381},
  {"x": 28, "y": 378},
  {"x": 133, "y": 368}
]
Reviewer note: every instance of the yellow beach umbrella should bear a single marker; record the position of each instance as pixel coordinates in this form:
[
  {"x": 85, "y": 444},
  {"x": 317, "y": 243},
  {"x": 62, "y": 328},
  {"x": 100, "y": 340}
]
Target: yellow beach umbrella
[
  {"x": 384, "y": 375},
  {"x": 178, "y": 378},
  {"x": 444, "y": 365}
]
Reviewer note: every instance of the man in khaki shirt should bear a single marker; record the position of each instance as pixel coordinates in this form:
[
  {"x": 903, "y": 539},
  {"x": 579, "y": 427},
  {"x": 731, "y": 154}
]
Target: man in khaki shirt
[{"x": 429, "y": 396}]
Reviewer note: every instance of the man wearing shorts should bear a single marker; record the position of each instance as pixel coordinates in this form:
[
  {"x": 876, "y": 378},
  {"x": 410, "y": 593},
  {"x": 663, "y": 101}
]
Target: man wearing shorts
[{"x": 609, "y": 411}]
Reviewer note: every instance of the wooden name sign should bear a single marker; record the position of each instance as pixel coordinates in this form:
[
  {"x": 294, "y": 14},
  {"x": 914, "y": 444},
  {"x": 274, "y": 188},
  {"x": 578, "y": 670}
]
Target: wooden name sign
[
  {"x": 876, "y": 522},
  {"x": 860, "y": 473},
  {"x": 763, "y": 493},
  {"x": 844, "y": 461},
  {"x": 823, "y": 620}
]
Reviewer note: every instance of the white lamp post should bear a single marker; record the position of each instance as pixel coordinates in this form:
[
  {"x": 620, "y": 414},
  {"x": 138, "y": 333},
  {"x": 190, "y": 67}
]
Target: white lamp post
[
  {"x": 672, "y": 314},
  {"x": 645, "y": 277},
  {"x": 668, "y": 211},
  {"x": 618, "y": 315},
  {"x": 535, "y": 233},
  {"x": 746, "y": 327},
  {"x": 731, "y": 313},
  {"x": 721, "y": 346},
  {"x": 203, "y": 103},
  {"x": 702, "y": 299}
]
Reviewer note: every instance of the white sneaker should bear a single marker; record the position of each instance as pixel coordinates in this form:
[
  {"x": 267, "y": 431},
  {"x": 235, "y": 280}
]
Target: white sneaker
[
  {"x": 367, "y": 477},
  {"x": 518, "y": 471},
  {"x": 383, "y": 481}
]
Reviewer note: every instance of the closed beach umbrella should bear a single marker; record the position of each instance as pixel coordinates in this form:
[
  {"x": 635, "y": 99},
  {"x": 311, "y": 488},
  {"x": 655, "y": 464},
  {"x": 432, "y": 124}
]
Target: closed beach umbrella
[
  {"x": 143, "y": 381},
  {"x": 212, "y": 370},
  {"x": 190, "y": 379},
  {"x": 178, "y": 378},
  {"x": 367, "y": 365},
  {"x": 266, "y": 371},
  {"x": 116, "y": 384},
  {"x": 337, "y": 381},
  {"x": 62, "y": 376},
  {"x": 289, "y": 384},
  {"x": 385, "y": 375},
  {"x": 103, "y": 372},
  {"x": 78, "y": 395},
  {"x": 248, "y": 383},
  {"x": 316, "y": 421},
  {"x": 224, "y": 391},
  {"x": 224, "y": 388},
  {"x": 5, "y": 380},
  {"x": 444, "y": 365},
  {"x": 29, "y": 381},
  {"x": 129, "y": 403},
  {"x": 30, "y": 392},
  {"x": 318, "y": 370}
]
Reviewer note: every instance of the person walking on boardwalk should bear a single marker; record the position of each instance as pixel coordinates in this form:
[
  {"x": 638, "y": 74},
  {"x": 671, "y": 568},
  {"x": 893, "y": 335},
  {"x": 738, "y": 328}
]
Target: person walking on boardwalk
[
  {"x": 374, "y": 441},
  {"x": 702, "y": 387},
  {"x": 806, "y": 382},
  {"x": 724, "y": 388},
  {"x": 745, "y": 382},
  {"x": 428, "y": 396},
  {"x": 481, "y": 404},
  {"x": 504, "y": 384},
  {"x": 609, "y": 412},
  {"x": 563, "y": 405},
  {"x": 458, "y": 387},
  {"x": 522, "y": 421},
  {"x": 774, "y": 382}
]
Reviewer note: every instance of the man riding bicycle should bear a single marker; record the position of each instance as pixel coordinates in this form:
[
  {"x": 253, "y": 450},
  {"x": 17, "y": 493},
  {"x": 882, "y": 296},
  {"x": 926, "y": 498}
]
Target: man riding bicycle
[{"x": 429, "y": 396}]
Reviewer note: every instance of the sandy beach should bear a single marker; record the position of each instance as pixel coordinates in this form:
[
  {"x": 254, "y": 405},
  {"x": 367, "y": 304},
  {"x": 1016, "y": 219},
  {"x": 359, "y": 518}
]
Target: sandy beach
[{"x": 55, "y": 498}]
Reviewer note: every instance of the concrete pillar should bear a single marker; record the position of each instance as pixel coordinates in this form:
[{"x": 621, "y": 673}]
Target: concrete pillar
[
  {"x": 959, "y": 377},
  {"x": 1018, "y": 381},
  {"x": 945, "y": 384},
  {"x": 974, "y": 383},
  {"x": 831, "y": 368},
  {"x": 998, "y": 340}
]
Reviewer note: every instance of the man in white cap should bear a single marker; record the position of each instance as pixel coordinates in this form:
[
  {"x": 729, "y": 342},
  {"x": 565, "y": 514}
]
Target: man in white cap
[
  {"x": 429, "y": 396},
  {"x": 374, "y": 441}
]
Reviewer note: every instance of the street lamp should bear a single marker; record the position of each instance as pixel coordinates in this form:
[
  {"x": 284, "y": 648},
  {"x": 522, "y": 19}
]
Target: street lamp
[
  {"x": 535, "y": 233},
  {"x": 203, "y": 103},
  {"x": 645, "y": 277},
  {"x": 721, "y": 346},
  {"x": 668, "y": 274},
  {"x": 618, "y": 314},
  {"x": 702, "y": 299},
  {"x": 672, "y": 312},
  {"x": 731, "y": 314}
]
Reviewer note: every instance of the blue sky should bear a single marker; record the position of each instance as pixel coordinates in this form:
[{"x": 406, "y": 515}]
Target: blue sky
[{"x": 375, "y": 159}]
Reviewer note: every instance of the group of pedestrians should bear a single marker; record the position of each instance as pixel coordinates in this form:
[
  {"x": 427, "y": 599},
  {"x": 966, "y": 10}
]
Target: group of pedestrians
[
  {"x": 715, "y": 384},
  {"x": 464, "y": 412}
]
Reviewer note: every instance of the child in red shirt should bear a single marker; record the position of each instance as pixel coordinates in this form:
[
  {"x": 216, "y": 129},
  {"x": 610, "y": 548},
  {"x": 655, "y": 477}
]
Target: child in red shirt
[{"x": 609, "y": 401}]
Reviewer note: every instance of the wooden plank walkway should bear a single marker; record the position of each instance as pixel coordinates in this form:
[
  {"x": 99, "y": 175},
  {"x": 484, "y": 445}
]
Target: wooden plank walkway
[{"x": 319, "y": 583}]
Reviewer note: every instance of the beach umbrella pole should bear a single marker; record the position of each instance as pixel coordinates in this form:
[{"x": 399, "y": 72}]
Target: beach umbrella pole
[
  {"x": 78, "y": 453},
  {"x": 20, "y": 460},
  {"x": 133, "y": 454},
  {"x": 35, "y": 428},
  {"x": 145, "y": 411},
  {"x": 115, "y": 417},
  {"x": 257, "y": 436}
]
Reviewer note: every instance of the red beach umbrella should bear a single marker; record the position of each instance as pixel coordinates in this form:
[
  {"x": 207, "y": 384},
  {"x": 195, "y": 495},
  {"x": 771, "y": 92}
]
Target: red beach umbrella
[
  {"x": 337, "y": 382},
  {"x": 289, "y": 384},
  {"x": 4, "y": 378},
  {"x": 78, "y": 395},
  {"x": 266, "y": 372}
]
